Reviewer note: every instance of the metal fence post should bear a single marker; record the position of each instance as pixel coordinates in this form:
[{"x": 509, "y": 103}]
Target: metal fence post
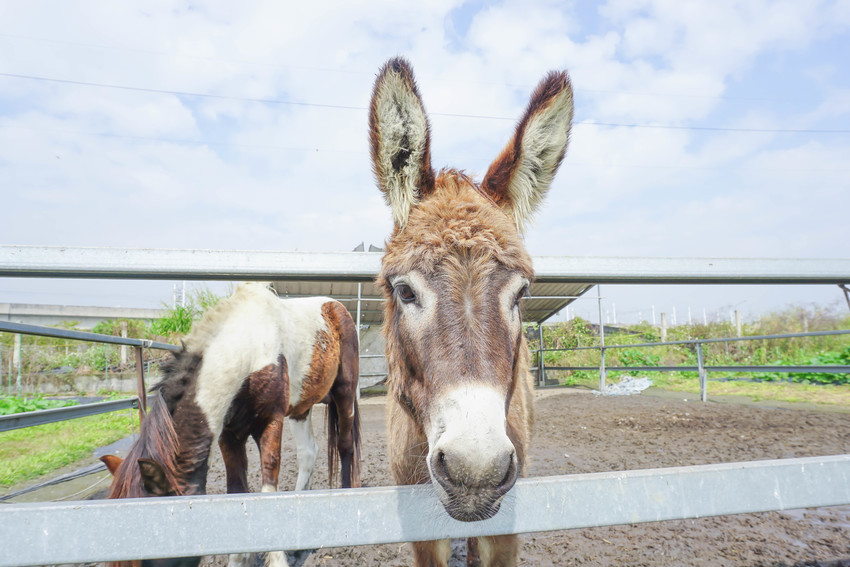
[
  {"x": 602, "y": 372},
  {"x": 540, "y": 378},
  {"x": 140, "y": 384},
  {"x": 18, "y": 361},
  {"x": 703, "y": 380}
]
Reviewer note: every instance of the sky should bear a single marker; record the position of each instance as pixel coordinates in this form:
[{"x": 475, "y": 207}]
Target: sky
[{"x": 701, "y": 129}]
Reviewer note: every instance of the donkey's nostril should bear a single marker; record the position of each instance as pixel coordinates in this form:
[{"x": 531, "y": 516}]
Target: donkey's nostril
[{"x": 510, "y": 477}]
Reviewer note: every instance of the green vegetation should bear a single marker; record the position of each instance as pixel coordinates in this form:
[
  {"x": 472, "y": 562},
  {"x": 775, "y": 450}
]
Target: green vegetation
[
  {"x": 799, "y": 386},
  {"x": 26, "y": 454},
  {"x": 12, "y": 404},
  {"x": 63, "y": 357}
]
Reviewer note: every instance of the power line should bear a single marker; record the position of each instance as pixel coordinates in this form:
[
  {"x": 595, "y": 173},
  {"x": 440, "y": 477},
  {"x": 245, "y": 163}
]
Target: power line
[
  {"x": 453, "y": 115},
  {"x": 243, "y": 61}
]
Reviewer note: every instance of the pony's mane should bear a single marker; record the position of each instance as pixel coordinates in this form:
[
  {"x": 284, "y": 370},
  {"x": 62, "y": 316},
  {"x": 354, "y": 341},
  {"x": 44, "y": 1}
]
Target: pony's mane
[
  {"x": 206, "y": 328},
  {"x": 157, "y": 441}
]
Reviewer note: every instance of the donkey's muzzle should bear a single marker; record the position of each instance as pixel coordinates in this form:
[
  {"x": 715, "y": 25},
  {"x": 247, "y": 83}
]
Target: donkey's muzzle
[{"x": 473, "y": 489}]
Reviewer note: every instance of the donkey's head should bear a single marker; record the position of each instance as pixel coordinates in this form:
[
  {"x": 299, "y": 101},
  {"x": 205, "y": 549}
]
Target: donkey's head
[{"x": 454, "y": 273}]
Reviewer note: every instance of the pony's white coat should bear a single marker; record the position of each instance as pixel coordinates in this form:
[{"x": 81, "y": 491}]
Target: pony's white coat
[{"x": 260, "y": 326}]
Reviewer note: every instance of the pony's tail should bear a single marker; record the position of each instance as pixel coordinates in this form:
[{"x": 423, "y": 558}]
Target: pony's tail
[
  {"x": 333, "y": 443},
  {"x": 332, "y": 419}
]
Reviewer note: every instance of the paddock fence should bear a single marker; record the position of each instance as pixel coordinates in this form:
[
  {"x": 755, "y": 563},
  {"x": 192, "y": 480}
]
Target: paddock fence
[
  {"x": 76, "y": 532},
  {"x": 701, "y": 368}
]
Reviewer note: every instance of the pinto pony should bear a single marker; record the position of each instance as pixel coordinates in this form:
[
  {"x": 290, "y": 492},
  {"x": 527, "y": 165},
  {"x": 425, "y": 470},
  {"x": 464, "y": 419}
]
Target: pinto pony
[
  {"x": 459, "y": 409},
  {"x": 248, "y": 363}
]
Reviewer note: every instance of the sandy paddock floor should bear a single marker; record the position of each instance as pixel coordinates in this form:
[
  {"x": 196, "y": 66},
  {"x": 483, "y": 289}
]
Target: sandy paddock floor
[{"x": 577, "y": 432}]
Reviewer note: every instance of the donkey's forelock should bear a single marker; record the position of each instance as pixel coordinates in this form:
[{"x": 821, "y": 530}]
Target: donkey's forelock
[{"x": 456, "y": 219}]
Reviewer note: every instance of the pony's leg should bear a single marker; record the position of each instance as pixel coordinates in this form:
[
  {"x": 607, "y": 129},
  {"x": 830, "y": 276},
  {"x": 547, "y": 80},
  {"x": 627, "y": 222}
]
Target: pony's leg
[
  {"x": 498, "y": 551},
  {"x": 268, "y": 440},
  {"x": 431, "y": 553},
  {"x": 236, "y": 468},
  {"x": 235, "y": 461},
  {"x": 306, "y": 448}
]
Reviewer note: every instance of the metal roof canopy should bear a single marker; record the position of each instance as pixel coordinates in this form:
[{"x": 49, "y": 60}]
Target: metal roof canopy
[
  {"x": 558, "y": 278},
  {"x": 546, "y": 299}
]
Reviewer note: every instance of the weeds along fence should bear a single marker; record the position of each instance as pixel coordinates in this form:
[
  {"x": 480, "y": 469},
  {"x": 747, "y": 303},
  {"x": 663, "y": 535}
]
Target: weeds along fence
[
  {"x": 77, "y": 532},
  {"x": 701, "y": 368},
  {"x": 29, "y": 419}
]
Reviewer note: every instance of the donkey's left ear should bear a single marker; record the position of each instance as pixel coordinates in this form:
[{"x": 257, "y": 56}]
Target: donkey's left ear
[
  {"x": 400, "y": 139},
  {"x": 520, "y": 177}
]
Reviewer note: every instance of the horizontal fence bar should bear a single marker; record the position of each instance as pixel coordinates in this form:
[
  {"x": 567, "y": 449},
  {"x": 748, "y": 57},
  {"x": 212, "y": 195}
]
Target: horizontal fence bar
[
  {"x": 690, "y": 270},
  {"x": 38, "y": 330},
  {"x": 826, "y": 369},
  {"x": 694, "y": 341},
  {"x": 80, "y": 262},
  {"x": 110, "y": 530},
  {"x": 40, "y": 417}
]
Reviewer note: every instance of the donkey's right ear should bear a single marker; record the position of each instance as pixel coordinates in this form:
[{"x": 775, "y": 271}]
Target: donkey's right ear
[{"x": 400, "y": 139}]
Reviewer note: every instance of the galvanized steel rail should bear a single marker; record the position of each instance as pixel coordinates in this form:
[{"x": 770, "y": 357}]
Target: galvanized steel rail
[
  {"x": 40, "y": 331},
  {"x": 78, "y": 532},
  {"x": 41, "y": 417},
  {"x": 18, "y": 421},
  {"x": 701, "y": 368},
  {"x": 140, "y": 263}
]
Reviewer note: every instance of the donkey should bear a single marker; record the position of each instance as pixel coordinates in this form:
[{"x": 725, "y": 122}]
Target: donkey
[
  {"x": 251, "y": 361},
  {"x": 460, "y": 403}
]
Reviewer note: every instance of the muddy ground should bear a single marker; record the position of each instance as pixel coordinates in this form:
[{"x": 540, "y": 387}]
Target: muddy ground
[{"x": 577, "y": 432}]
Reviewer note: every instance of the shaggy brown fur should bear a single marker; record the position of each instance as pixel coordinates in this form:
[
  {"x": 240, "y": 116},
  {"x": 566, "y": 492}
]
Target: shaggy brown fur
[{"x": 460, "y": 241}]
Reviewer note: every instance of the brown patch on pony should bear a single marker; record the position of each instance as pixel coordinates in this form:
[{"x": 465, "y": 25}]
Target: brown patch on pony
[
  {"x": 332, "y": 377},
  {"x": 343, "y": 425},
  {"x": 257, "y": 410}
]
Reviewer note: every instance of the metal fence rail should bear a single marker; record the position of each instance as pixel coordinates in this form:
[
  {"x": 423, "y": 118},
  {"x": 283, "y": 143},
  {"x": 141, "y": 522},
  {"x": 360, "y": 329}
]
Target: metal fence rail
[
  {"x": 17, "y": 421},
  {"x": 79, "y": 532},
  {"x": 40, "y": 331},
  {"x": 701, "y": 367},
  {"x": 41, "y": 417},
  {"x": 141, "y": 263}
]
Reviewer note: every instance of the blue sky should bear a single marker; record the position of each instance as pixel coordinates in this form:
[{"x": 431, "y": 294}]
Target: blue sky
[{"x": 702, "y": 129}]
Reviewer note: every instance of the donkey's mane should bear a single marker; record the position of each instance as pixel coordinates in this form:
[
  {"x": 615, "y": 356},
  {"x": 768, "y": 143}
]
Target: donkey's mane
[
  {"x": 205, "y": 329},
  {"x": 157, "y": 441}
]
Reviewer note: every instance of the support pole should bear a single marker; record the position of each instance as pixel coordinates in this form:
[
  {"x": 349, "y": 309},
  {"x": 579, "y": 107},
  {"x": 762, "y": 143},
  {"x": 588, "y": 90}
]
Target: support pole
[
  {"x": 359, "y": 299},
  {"x": 846, "y": 293},
  {"x": 16, "y": 354},
  {"x": 540, "y": 381},
  {"x": 140, "y": 384},
  {"x": 124, "y": 347},
  {"x": 602, "y": 372},
  {"x": 703, "y": 379}
]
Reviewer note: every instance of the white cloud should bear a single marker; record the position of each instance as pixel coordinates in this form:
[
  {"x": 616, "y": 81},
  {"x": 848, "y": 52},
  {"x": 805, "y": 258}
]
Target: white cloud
[{"x": 286, "y": 176}]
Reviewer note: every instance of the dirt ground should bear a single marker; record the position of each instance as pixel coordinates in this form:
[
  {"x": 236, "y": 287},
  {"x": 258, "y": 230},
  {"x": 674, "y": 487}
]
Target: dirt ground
[{"x": 577, "y": 432}]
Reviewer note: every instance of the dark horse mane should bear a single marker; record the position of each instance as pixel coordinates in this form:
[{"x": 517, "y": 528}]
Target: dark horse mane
[{"x": 157, "y": 441}]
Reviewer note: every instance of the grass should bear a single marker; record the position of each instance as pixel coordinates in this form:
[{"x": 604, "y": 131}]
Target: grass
[
  {"x": 687, "y": 382},
  {"x": 26, "y": 454},
  {"x": 830, "y": 394}
]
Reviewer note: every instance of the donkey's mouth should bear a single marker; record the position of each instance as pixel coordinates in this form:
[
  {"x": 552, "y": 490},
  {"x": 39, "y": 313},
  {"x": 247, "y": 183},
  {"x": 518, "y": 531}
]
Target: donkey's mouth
[{"x": 471, "y": 505}]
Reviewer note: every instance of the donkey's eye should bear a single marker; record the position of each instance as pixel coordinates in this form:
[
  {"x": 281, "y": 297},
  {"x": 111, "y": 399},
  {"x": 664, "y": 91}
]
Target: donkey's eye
[
  {"x": 404, "y": 293},
  {"x": 522, "y": 293}
]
